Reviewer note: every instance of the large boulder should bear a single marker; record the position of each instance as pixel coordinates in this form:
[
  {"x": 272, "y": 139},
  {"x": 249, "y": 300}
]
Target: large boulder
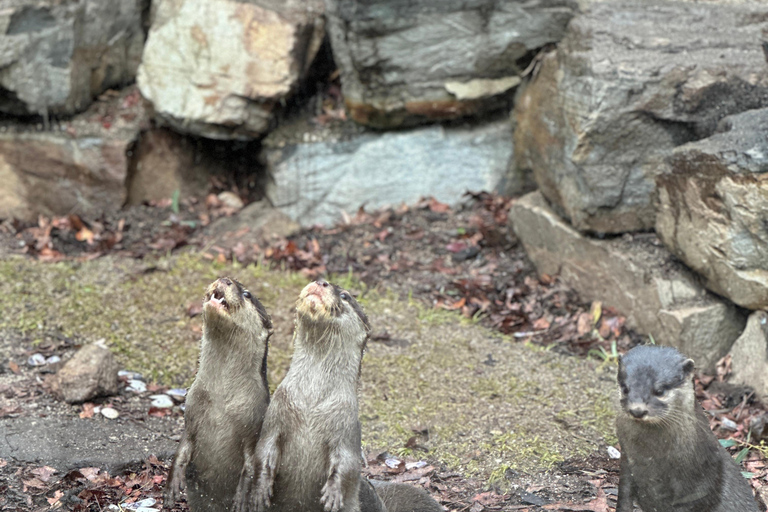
[
  {"x": 636, "y": 275},
  {"x": 320, "y": 173},
  {"x": 629, "y": 82},
  {"x": 749, "y": 355},
  {"x": 56, "y": 56},
  {"x": 217, "y": 68},
  {"x": 404, "y": 62},
  {"x": 81, "y": 168},
  {"x": 713, "y": 208}
]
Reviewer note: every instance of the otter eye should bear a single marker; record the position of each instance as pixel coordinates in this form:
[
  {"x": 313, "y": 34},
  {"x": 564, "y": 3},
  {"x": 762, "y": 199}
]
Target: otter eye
[
  {"x": 344, "y": 296},
  {"x": 624, "y": 389},
  {"x": 658, "y": 392},
  {"x": 246, "y": 294}
]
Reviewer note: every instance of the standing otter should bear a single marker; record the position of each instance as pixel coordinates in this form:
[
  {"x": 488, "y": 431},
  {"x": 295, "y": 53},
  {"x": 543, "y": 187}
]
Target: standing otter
[
  {"x": 670, "y": 459},
  {"x": 308, "y": 457},
  {"x": 226, "y": 403}
]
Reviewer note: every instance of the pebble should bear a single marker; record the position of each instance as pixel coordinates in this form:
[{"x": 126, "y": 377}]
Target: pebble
[
  {"x": 109, "y": 413},
  {"x": 53, "y": 360},
  {"x": 161, "y": 401},
  {"x": 177, "y": 394},
  {"x": 36, "y": 360},
  {"x": 231, "y": 200},
  {"x": 138, "y": 505},
  {"x": 137, "y": 386},
  {"x": 728, "y": 424},
  {"x": 411, "y": 465},
  {"x": 613, "y": 453},
  {"x": 392, "y": 462},
  {"x": 128, "y": 374}
]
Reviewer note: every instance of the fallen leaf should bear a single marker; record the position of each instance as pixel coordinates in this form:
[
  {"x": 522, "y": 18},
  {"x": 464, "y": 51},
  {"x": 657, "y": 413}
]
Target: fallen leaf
[
  {"x": 14, "y": 367},
  {"x": 88, "y": 410}
]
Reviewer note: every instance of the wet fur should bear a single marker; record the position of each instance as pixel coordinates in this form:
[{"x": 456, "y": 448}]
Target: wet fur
[
  {"x": 226, "y": 403},
  {"x": 671, "y": 460},
  {"x": 308, "y": 457},
  {"x": 405, "y": 498}
]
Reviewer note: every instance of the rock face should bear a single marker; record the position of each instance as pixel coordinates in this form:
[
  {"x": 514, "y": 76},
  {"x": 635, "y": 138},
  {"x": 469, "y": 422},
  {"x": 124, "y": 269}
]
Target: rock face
[
  {"x": 164, "y": 162},
  {"x": 750, "y": 355},
  {"x": 635, "y": 274},
  {"x": 314, "y": 181},
  {"x": 56, "y": 56},
  {"x": 629, "y": 82},
  {"x": 91, "y": 372},
  {"x": 217, "y": 68},
  {"x": 80, "y": 169},
  {"x": 713, "y": 208},
  {"x": 405, "y": 62}
]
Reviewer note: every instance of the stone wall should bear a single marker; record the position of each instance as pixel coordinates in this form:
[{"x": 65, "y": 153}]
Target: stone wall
[{"x": 644, "y": 123}]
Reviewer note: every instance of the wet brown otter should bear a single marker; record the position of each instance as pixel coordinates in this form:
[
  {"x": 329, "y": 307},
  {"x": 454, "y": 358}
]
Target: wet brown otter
[
  {"x": 670, "y": 459},
  {"x": 226, "y": 403},
  {"x": 308, "y": 457}
]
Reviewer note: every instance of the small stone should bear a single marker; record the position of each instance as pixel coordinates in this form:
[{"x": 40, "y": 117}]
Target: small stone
[
  {"x": 139, "y": 504},
  {"x": 137, "y": 386},
  {"x": 53, "y": 360},
  {"x": 91, "y": 372},
  {"x": 728, "y": 424},
  {"x": 178, "y": 394},
  {"x": 412, "y": 465},
  {"x": 161, "y": 401},
  {"x": 392, "y": 462},
  {"x": 613, "y": 453},
  {"x": 36, "y": 360},
  {"x": 231, "y": 200},
  {"x": 109, "y": 413},
  {"x": 130, "y": 375}
]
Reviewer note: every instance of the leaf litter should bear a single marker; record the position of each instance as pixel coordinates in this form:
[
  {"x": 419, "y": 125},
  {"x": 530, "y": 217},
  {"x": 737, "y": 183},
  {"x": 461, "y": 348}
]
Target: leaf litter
[{"x": 463, "y": 259}]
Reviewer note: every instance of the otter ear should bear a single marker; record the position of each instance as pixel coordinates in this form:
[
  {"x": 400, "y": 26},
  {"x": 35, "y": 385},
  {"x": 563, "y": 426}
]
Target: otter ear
[{"x": 688, "y": 366}]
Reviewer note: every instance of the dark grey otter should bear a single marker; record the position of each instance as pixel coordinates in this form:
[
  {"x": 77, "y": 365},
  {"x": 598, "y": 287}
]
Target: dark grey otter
[
  {"x": 308, "y": 456},
  {"x": 670, "y": 459},
  {"x": 404, "y": 498},
  {"x": 226, "y": 403}
]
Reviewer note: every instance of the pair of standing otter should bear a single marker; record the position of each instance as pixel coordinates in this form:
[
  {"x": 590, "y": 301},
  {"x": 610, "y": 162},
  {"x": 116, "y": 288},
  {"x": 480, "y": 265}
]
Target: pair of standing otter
[{"x": 302, "y": 450}]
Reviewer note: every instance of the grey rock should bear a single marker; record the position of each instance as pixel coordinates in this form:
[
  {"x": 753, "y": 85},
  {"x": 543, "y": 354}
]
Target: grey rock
[
  {"x": 315, "y": 181},
  {"x": 217, "y": 68},
  {"x": 91, "y": 372},
  {"x": 256, "y": 223},
  {"x": 404, "y": 62},
  {"x": 629, "y": 82},
  {"x": 713, "y": 208},
  {"x": 70, "y": 443},
  {"x": 56, "y": 56},
  {"x": 749, "y": 355},
  {"x": 634, "y": 274},
  {"x": 80, "y": 169}
]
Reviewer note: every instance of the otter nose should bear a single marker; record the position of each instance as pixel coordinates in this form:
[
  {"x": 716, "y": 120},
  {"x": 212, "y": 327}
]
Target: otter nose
[
  {"x": 638, "y": 411},
  {"x": 323, "y": 283},
  {"x": 226, "y": 281}
]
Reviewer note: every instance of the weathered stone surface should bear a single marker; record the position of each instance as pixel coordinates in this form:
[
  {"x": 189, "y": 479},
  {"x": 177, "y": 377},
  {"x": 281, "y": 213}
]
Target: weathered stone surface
[
  {"x": 217, "y": 68},
  {"x": 749, "y": 363},
  {"x": 165, "y": 161},
  {"x": 318, "y": 174},
  {"x": 405, "y": 62},
  {"x": 635, "y": 274},
  {"x": 91, "y": 372},
  {"x": 56, "y": 56},
  {"x": 81, "y": 168},
  {"x": 629, "y": 82},
  {"x": 713, "y": 208},
  {"x": 256, "y": 223},
  {"x": 71, "y": 443}
]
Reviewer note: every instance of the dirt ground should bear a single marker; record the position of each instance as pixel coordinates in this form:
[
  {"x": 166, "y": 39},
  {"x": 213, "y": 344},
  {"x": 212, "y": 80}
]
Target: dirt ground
[{"x": 476, "y": 384}]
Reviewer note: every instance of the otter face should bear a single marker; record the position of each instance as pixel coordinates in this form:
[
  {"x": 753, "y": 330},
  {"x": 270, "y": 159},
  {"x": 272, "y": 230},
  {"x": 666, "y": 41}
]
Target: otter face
[
  {"x": 655, "y": 384},
  {"x": 228, "y": 303},
  {"x": 321, "y": 301}
]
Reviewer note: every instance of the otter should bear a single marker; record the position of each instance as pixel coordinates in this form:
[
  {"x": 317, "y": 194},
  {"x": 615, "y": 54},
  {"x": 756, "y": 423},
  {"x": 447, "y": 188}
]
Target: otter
[
  {"x": 227, "y": 401},
  {"x": 403, "y": 498},
  {"x": 308, "y": 456},
  {"x": 670, "y": 459}
]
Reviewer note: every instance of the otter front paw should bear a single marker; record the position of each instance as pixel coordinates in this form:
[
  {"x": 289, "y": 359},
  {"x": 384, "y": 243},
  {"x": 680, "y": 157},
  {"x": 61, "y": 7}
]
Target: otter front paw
[
  {"x": 244, "y": 487},
  {"x": 261, "y": 496},
  {"x": 173, "y": 489},
  {"x": 332, "y": 498}
]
